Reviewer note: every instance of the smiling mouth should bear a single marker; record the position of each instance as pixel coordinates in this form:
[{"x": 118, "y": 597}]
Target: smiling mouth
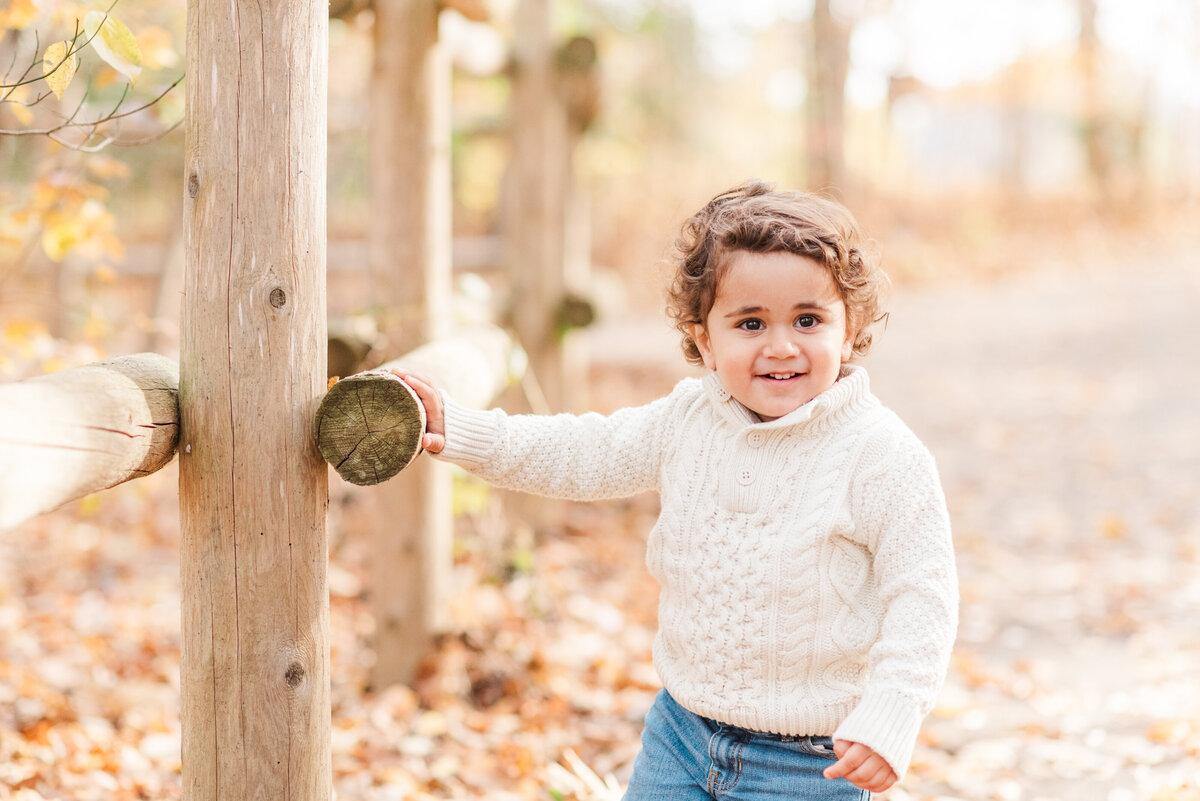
[{"x": 780, "y": 376}]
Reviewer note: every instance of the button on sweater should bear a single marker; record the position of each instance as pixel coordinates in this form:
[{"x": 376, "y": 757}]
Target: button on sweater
[{"x": 806, "y": 564}]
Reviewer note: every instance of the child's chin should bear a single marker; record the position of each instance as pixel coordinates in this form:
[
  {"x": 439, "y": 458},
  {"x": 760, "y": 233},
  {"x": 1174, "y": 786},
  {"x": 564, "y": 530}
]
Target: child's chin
[{"x": 767, "y": 415}]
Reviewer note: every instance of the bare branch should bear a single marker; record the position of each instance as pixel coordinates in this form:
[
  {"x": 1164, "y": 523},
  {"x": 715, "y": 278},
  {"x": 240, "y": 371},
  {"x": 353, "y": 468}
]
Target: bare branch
[
  {"x": 25, "y": 80},
  {"x": 10, "y": 88},
  {"x": 90, "y": 129},
  {"x": 149, "y": 103},
  {"x": 145, "y": 140},
  {"x": 69, "y": 122}
]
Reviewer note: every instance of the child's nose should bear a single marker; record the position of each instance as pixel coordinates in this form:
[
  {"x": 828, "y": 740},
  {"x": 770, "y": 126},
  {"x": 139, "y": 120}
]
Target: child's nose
[{"x": 781, "y": 345}]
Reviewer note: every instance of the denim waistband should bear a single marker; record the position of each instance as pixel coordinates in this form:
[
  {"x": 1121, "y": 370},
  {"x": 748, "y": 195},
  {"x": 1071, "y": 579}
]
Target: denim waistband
[{"x": 741, "y": 733}]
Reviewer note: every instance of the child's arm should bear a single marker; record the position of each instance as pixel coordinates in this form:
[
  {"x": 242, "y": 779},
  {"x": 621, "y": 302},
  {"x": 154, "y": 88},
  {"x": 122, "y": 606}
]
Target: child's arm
[
  {"x": 578, "y": 457},
  {"x": 901, "y": 516}
]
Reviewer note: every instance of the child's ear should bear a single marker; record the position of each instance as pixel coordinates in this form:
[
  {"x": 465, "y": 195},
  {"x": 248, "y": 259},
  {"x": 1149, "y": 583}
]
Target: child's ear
[
  {"x": 848, "y": 342},
  {"x": 704, "y": 345}
]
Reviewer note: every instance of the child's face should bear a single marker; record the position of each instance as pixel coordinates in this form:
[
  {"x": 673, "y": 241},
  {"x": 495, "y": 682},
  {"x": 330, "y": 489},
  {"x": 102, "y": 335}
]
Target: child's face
[{"x": 777, "y": 333}]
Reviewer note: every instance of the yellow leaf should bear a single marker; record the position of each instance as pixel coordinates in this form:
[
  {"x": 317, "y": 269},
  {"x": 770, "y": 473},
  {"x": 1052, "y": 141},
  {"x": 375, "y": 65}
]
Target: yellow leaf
[
  {"x": 22, "y": 113},
  {"x": 22, "y": 330},
  {"x": 91, "y": 191},
  {"x": 19, "y": 14},
  {"x": 1172, "y": 732},
  {"x": 114, "y": 42},
  {"x": 57, "y": 240},
  {"x": 95, "y": 328},
  {"x": 58, "y": 67},
  {"x": 105, "y": 274},
  {"x": 89, "y": 505},
  {"x": 1113, "y": 528},
  {"x": 156, "y": 48},
  {"x": 105, "y": 78},
  {"x": 54, "y": 364},
  {"x": 17, "y": 97},
  {"x": 103, "y": 166}
]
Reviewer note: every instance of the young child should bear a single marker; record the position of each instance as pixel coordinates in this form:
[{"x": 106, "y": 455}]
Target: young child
[{"x": 809, "y": 595}]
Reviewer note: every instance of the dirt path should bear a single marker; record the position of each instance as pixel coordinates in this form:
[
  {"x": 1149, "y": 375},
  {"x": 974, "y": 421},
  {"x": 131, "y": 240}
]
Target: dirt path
[{"x": 1065, "y": 416}]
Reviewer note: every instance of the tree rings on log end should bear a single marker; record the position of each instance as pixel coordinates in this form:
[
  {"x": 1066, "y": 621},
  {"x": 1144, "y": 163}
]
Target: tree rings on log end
[{"x": 369, "y": 427}]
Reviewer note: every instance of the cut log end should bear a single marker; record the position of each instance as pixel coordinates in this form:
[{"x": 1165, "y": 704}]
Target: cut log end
[{"x": 369, "y": 427}]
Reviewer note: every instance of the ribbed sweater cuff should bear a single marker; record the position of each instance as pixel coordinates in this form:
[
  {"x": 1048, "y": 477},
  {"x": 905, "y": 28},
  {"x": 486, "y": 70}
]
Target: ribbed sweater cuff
[
  {"x": 887, "y": 723},
  {"x": 470, "y": 433}
]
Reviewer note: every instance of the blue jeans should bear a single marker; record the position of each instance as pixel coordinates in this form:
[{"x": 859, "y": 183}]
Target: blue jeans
[{"x": 686, "y": 757}]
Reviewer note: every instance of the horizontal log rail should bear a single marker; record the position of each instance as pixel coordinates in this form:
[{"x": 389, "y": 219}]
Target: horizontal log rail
[
  {"x": 68, "y": 434},
  {"x": 369, "y": 425}
]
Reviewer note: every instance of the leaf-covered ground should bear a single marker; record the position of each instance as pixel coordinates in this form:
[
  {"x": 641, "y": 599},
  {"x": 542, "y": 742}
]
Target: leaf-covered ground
[{"x": 1065, "y": 415}]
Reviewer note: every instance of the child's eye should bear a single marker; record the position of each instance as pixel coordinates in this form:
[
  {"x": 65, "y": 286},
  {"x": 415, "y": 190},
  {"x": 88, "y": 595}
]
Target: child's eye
[
  {"x": 807, "y": 321},
  {"x": 751, "y": 325}
]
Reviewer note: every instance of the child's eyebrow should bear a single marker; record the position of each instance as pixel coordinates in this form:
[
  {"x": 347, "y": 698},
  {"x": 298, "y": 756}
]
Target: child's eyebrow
[
  {"x": 745, "y": 310},
  {"x": 803, "y": 305}
]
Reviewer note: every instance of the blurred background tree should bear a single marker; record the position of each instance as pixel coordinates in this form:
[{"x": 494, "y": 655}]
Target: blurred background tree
[
  {"x": 971, "y": 138},
  {"x": 83, "y": 87}
]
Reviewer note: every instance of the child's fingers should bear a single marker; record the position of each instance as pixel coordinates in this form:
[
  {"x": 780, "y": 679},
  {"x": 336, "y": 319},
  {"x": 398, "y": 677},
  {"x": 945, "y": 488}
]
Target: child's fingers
[
  {"x": 422, "y": 385},
  {"x": 434, "y": 438},
  {"x": 874, "y": 775},
  {"x": 850, "y": 756},
  {"x": 882, "y": 781},
  {"x": 848, "y": 760},
  {"x": 861, "y": 766},
  {"x": 429, "y": 396}
]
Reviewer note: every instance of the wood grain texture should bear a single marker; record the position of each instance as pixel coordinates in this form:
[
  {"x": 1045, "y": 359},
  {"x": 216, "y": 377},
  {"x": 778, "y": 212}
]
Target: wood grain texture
[
  {"x": 369, "y": 427},
  {"x": 71, "y": 433},
  {"x": 253, "y": 488}
]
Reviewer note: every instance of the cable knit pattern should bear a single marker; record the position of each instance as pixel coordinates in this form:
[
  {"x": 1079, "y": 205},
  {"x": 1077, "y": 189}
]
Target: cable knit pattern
[{"x": 807, "y": 570}]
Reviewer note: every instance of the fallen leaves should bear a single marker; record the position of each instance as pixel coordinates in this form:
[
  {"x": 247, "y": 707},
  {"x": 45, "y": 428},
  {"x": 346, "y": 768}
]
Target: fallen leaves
[
  {"x": 1074, "y": 678},
  {"x": 1175, "y": 732}
]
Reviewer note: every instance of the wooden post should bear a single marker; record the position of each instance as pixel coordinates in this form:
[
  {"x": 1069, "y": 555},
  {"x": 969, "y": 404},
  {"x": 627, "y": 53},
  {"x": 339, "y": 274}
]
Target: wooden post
[
  {"x": 536, "y": 200},
  {"x": 409, "y": 258},
  {"x": 71, "y": 433},
  {"x": 578, "y": 83},
  {"x": 253, "y": 488},
  {"x": 828, "y": 65},
  {"x": 1093, "y": 118}
]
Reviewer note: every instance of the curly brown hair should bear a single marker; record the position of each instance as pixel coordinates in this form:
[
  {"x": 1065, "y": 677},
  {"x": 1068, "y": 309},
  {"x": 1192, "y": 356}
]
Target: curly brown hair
[{"x": 759, "y": 218}]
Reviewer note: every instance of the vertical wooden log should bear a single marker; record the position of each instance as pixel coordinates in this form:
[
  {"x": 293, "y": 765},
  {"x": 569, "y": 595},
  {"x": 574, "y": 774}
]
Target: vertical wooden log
[
  {"x": 578, "y": 91},
  {"x": 253, "y": 493},
  {"x": 537, "y": 199},
  {"x": 1016, "y": 116},
  {"x": 828, "y": 66},
  {"x": 1096, "y": 145},
  {"x": 409, "y": 255}
]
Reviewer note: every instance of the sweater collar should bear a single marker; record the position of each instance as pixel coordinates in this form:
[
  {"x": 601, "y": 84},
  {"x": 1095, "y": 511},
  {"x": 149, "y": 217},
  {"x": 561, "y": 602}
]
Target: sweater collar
[{"x": 851, "y": 390}]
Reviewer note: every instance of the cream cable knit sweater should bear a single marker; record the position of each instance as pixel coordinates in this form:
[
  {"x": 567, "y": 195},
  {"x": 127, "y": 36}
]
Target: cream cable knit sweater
[{"x": 807, "y": 570}]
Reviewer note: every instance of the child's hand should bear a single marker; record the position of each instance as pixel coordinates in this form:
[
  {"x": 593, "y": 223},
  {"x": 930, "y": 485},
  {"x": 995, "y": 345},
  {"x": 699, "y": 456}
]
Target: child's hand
[
  {"x": 434, "y": 438},
  {"x": 861, "y": 766}
]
